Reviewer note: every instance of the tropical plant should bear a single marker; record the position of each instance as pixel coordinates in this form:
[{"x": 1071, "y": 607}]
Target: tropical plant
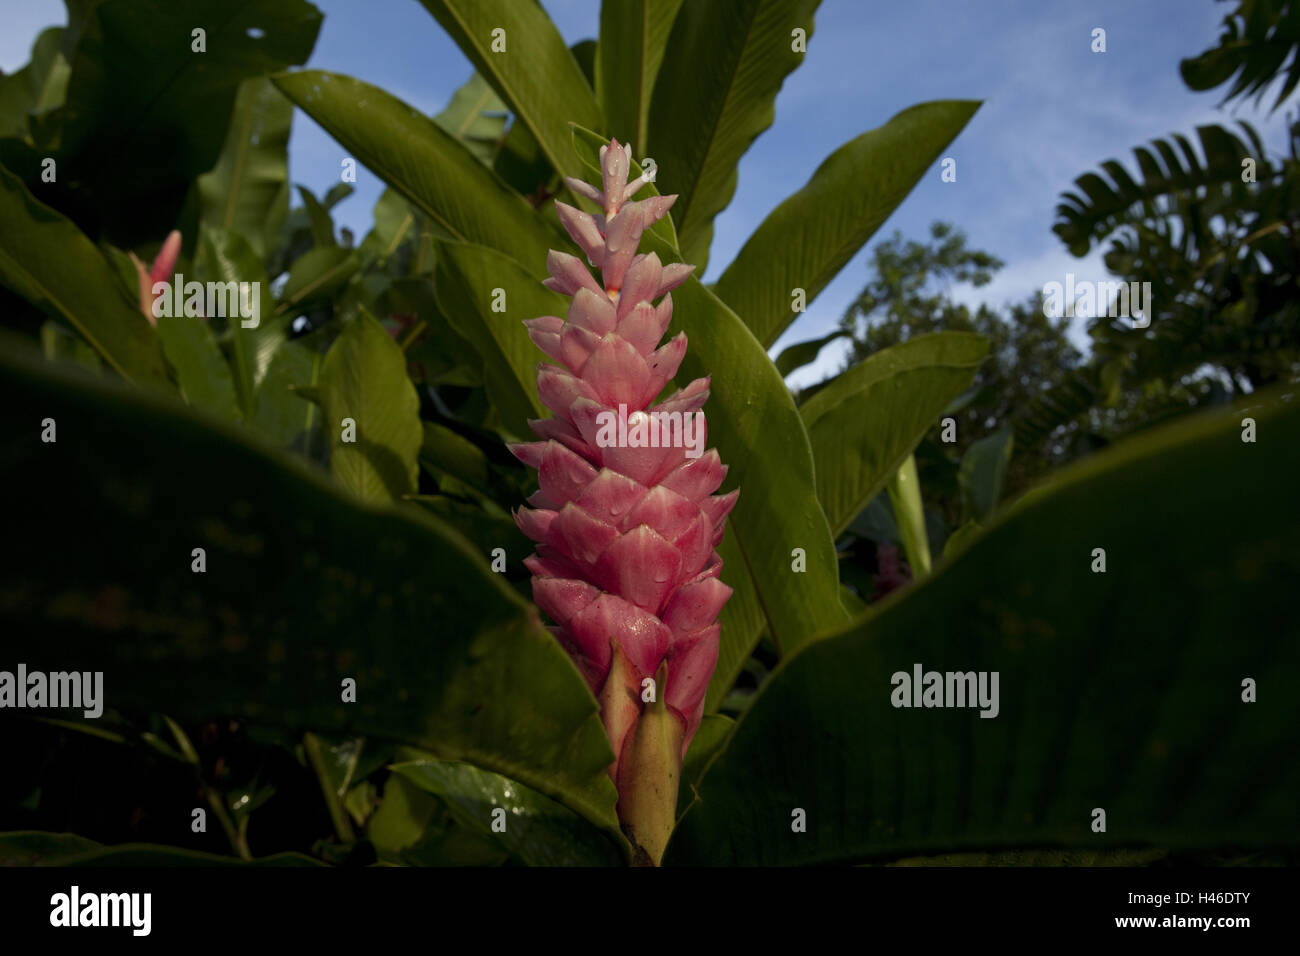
[
  {"x": 1214, "y": 233},
  {"x": 363, "y": 622}
]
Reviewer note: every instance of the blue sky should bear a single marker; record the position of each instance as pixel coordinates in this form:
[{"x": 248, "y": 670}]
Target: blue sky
[{"x": 1053, "y": 110}]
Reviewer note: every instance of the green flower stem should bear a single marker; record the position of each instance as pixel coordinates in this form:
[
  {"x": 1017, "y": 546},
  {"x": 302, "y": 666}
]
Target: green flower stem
[
  {"x": 905, "y": 496},
  {"x": 238, "y": 839},
  {"x": 338, "y": 814}
]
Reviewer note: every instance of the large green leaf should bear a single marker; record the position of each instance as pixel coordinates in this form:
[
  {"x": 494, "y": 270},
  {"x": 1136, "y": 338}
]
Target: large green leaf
[
  {"x": 537, "y": 830},
  {"x": 145, "y": 113},
  {"x": 415, "y": 156},
  {"x": 804, "y": 242},
  {"x": 363, "y": 379},
  {"x": 49, "y": 262},
  {"x": 1120, "y": 690},
  {"x": 248, "y": 190},
  {"x": 758, "y": 432},
  {"x": 865, "y": 423},
  {"x": 468, "y": 280},
  {"x": 304, "y": 587},
  {"x": 535, "y": 74},
  {"x": 633, "y": 37},
  {"x": 715, "y": 93}
]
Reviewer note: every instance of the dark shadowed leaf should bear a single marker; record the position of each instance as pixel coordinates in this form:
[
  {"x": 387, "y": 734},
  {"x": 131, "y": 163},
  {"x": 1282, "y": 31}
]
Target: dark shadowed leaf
[
  {"x": 50, "y": 263},
  {"x": 304, "y": 589},
  {"x": 1120, "y": 690}
]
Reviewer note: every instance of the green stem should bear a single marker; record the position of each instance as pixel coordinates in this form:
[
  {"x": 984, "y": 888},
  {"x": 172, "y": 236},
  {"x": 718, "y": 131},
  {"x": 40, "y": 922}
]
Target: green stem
[
  {"x": 237, "y": 838},
  {"x": 905, "y": 496},
  {"x": 338, "y": 814}
]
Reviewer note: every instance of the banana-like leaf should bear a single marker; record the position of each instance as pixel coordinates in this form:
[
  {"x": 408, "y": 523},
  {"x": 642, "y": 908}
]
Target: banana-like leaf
[
  {"x": 778, "y": 524},
  {"x": 1123, "y": 691},
  {"x": 633, "y": 38},
  {"x": 866, "y": 422},
  {"x": 50, "y": 263},
  {"x": 305, "y": 589},
  {"x": 516, "y": 48},
  {"x": 715, "y": 93},
  {"x": 804, "y": 242},
  {"x": 247, "y": 191},
  {"x": 419, "y": 159}
]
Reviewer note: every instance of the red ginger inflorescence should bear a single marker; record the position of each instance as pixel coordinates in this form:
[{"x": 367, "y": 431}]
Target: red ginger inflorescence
[{"x": 626, "y": 564}]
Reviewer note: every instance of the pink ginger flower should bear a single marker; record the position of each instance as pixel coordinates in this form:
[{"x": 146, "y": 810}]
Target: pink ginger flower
[
  {"x": 626, "y": 564},
  {"x": 164, "y": 264}
]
